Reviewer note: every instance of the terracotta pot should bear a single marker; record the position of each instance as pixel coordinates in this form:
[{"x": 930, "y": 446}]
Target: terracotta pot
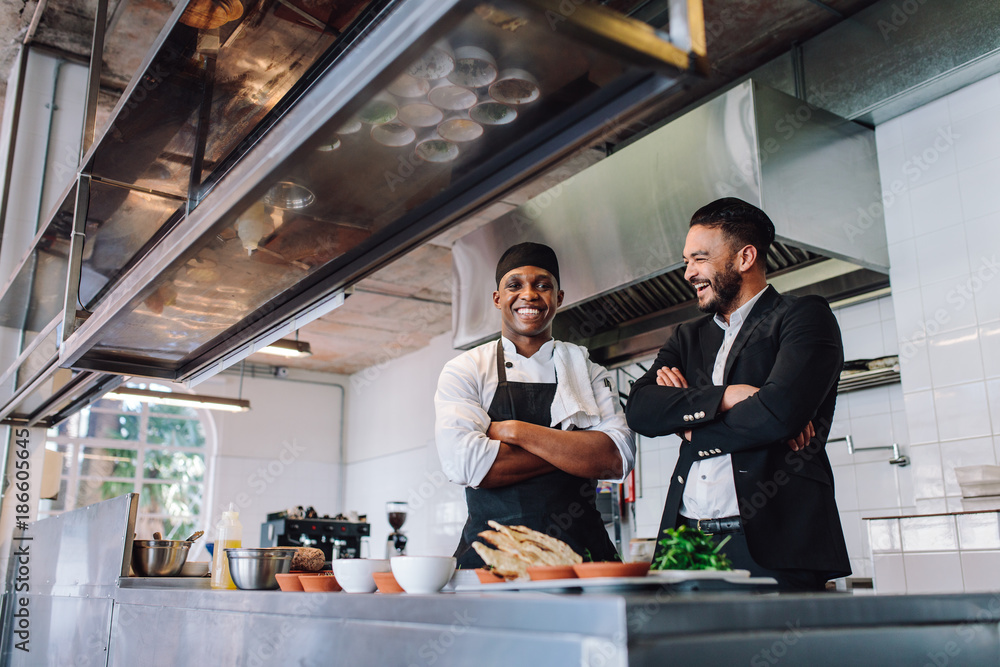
[
  {"x": 611, "y": 569},
  {"x": 289, "y": 581},
  {"x": 487, "y": 577},
  {"x": 540, "y": 572},
  {"x": 386, "y": 582},
  {"x": 320, "y": 582}
]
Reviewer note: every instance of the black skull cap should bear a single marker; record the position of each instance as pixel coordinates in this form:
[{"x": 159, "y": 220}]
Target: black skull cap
[{"x": 528, "y": 254}]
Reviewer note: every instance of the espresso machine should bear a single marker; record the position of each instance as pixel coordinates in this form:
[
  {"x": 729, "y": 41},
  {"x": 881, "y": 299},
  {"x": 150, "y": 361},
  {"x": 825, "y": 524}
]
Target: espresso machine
[
  {"x": 338, "y": 537},
  {"x": 395, "y": 545}
]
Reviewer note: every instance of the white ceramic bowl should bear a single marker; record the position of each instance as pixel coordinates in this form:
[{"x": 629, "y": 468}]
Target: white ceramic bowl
[
  {"x": 355, "y": 574},
  {"x": 423, "y": 574}
]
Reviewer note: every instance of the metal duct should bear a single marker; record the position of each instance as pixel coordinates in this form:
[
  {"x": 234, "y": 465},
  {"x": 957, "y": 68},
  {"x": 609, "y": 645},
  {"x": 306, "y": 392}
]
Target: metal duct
[{"x": 622, "y": 222}]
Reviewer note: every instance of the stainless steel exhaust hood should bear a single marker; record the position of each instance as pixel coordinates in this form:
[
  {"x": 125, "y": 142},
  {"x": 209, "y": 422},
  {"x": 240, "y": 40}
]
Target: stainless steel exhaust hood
[{"x": 619, "y": 226}]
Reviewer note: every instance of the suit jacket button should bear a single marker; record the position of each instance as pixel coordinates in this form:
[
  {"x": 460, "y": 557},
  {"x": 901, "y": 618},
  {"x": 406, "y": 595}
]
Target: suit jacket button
[
  {"x": 701, "y": 415},
  {"x": 687, "y": 418},
  {"x": 680, "y": 479}
]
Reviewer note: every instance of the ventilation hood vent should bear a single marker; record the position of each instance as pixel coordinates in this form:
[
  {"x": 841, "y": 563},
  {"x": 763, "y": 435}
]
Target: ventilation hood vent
[{"x": 619, "y": 226}]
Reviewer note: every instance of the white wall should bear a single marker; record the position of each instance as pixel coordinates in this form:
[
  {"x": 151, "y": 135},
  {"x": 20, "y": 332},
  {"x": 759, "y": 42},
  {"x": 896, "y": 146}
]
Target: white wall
[
  {"x": 284, "y": 452},
  {"x": 392, "y": 456},
  {"x": 943, "y": 227}
]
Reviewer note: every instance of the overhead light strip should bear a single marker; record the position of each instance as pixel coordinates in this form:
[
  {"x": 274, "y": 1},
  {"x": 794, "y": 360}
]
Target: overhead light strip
[
  {"x": 288, "y": 348},
  {"x": 181, "y": 400}
]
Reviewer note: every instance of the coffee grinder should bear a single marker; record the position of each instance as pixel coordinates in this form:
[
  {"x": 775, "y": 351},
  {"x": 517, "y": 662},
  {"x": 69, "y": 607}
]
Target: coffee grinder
[{"x": 395, "y": 545}]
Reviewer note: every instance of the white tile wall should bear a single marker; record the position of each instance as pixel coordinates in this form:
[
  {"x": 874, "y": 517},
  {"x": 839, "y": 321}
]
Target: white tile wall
[
  {"x": 933, "y": 572},
  {"x": 936, "y": 554},
  {"x": 926, "y": 472},
  {"x": 889, "y": 575},
  {"x": 935, "y": 206},
  {"x": 981, "y": 571},
  {"x": 989, "y": 344},
  {"x": 944, "y": 241},
  {"x": 955, "y": 357},
  {"x": 962, "y": 412}
]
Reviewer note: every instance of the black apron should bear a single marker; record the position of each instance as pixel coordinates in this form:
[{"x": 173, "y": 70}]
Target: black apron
[{"x": 556, "y": 503}]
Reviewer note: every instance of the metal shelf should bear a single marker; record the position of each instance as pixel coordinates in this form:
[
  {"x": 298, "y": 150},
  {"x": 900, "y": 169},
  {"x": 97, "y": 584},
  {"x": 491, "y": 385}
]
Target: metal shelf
[{"x": 866, "y": 379}]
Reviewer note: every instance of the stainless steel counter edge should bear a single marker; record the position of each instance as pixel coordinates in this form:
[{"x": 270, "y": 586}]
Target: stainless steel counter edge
[
  {"x": 660, "y": 613},
  {"x": 593, "y": 615}
]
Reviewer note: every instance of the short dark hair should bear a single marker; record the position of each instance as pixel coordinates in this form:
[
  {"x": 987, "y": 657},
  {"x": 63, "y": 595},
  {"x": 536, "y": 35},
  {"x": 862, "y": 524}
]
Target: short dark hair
[{"x": 742, "y": 224}]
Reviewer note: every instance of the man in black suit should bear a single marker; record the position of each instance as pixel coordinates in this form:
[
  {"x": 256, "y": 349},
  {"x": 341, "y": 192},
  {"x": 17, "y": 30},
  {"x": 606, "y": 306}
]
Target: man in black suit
[{"x": 751, "y": 391}]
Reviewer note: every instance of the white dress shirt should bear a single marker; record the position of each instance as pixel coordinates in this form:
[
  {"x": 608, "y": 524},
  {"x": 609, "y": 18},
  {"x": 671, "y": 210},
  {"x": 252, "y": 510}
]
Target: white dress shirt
[
  {"x": 710, "y": 492},
  {"x": 466, "y": 388}
]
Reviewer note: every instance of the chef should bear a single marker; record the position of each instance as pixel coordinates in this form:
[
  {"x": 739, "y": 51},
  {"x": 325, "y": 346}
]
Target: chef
[{"x": 527, "y": 424}]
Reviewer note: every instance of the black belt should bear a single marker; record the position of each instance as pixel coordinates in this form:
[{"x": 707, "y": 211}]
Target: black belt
[{"x": 728, "y": 524}]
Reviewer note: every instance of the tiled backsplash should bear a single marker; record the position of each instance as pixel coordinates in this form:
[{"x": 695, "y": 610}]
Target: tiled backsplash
[{"x": 944, "y": 553}]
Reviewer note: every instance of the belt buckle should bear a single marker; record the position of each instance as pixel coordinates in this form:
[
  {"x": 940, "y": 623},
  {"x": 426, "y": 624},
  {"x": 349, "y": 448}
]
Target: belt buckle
[{"x": 702, "y": 529}]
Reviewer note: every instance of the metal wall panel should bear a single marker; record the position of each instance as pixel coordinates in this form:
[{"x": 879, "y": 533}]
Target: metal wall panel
[
  {"x": 83, "y": 552},
  {"x": 820, "y": 180},
  {"x": 64, "y": 632}
]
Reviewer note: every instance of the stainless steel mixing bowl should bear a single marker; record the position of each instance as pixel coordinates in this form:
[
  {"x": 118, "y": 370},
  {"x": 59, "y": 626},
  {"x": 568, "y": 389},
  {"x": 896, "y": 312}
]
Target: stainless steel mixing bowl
[
  {"x": 254, "y": 569},
  {"x": 159, "y": 558}
]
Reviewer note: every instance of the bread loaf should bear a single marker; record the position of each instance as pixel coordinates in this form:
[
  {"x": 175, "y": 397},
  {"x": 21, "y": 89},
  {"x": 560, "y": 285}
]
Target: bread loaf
[{"x": 308, "y": 559}]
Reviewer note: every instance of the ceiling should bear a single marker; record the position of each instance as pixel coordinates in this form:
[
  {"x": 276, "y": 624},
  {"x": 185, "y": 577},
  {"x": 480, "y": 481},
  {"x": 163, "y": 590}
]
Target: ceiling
[{"x": 399, "y": 309}]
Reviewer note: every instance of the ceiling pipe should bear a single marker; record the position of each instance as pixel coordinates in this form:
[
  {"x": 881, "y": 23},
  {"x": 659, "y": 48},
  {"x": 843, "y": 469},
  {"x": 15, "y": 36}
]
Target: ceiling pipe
[{"x": 36, "y": 18}]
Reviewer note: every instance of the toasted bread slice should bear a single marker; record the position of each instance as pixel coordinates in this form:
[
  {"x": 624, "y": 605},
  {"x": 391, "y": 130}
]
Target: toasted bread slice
[
  {"x": 562, "y": 550},
  {"x": 504, "y": 564}
]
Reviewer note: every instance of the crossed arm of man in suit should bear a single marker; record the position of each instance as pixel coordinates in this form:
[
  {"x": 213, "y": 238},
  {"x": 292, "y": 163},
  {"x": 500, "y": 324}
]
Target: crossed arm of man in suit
[
  {"x": 735, "y": 393},
  {"x": 739, "y": 417}
]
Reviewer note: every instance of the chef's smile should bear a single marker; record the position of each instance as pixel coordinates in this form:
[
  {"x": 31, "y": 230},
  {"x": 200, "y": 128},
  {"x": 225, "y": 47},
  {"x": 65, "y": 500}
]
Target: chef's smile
[
  {"x": 528, "y": 298},
  {"x": 529, "y": 313}
]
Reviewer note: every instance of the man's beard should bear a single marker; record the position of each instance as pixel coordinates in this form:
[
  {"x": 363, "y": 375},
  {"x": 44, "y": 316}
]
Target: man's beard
[{"x": 726, "y": 287}]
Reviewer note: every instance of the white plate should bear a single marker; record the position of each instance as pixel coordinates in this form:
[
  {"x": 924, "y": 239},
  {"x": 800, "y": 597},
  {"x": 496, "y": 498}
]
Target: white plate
[
  {"x": 617, "y": 584},
  {"x": 684, "y": 575}
]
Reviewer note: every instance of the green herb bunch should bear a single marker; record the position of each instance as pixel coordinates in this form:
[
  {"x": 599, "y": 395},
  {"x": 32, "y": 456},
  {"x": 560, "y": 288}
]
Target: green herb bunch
[{"x": 686, "y": 549}]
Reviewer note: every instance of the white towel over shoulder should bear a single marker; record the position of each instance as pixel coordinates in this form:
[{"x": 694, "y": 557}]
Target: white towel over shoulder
[{"x": 574, "y": 405}]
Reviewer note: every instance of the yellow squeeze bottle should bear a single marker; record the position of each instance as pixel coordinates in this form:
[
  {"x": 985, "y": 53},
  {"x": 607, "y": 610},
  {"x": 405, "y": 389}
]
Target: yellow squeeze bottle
[{"x": 228, "y": 535}]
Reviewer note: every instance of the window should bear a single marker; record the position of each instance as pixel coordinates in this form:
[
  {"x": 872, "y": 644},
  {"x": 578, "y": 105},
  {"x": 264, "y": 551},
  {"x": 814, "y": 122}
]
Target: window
[{"x": 161, "y": 452}]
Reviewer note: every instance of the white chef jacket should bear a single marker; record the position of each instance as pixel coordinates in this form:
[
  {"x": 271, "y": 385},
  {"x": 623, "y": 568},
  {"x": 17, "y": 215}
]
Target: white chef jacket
[
  {"x": 710, "y": 492},
  {"x": 466, "y": 388}
]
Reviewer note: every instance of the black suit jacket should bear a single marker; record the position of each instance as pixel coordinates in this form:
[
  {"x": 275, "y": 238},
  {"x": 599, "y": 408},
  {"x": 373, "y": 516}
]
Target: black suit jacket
[{"x": 790, "y": 347}]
